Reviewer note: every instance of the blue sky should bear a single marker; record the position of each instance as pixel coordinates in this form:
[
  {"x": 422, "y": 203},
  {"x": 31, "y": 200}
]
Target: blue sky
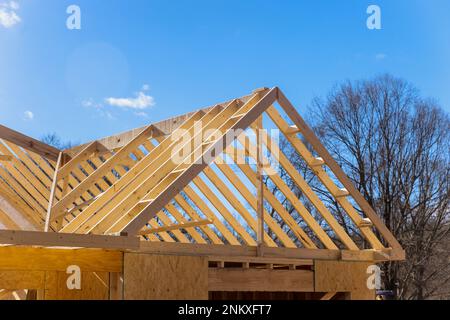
[{"x": 139, "y": 61}]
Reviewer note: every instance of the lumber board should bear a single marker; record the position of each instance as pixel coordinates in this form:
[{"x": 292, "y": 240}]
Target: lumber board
[
  {"x": 29, "y": 143},
  {"x": 51, "y": 239},
  {"x": 251, "y": 251}
]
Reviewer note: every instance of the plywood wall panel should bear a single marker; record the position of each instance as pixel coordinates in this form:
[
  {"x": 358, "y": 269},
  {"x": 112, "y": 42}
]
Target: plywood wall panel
[
  {"x": 158, "y": 277},
  {"x": 340, "y": 276}
]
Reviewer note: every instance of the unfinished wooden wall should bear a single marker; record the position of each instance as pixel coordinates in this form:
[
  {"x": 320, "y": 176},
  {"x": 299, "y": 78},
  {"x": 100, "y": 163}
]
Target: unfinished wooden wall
[
  {"x": 156, "y": 277},
  {"x": 340, "y": 276},
  {"x": 43, "y": 272}
]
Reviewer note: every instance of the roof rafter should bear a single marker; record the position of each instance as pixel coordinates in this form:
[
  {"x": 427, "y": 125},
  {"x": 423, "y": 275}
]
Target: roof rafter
[{"x": 29, "y": 143}]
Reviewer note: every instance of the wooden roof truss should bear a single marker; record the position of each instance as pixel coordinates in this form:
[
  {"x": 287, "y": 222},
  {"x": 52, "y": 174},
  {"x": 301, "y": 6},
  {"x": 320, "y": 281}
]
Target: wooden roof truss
[{"x": 128, "y": 185}]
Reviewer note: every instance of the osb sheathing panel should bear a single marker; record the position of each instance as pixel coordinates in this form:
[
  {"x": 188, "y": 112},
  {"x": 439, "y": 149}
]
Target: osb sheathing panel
[
  {"x": 155, "y": 277},
  {"x": 339, "y": 276}
]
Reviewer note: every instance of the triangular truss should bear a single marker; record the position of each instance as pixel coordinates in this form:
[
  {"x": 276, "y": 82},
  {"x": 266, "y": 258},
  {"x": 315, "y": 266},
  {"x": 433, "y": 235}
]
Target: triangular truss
[{"x": 217, "y": 192}]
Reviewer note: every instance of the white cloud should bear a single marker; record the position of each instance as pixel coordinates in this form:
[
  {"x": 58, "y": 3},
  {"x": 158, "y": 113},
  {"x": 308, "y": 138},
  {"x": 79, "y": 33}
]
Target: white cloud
[
  {"x": 380, "y": 56},
  {"x": 14, "y": 5},
  {"x": 142, "y": 101},
  {"x": 137, "y": 104},
  {"x": 28, "y": 115},
  {"x": 8, "y": 14}
]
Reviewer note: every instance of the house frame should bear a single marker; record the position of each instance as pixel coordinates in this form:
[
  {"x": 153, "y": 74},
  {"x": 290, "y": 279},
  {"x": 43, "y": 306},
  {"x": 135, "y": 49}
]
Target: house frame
[{"x": 140, "y": 225}]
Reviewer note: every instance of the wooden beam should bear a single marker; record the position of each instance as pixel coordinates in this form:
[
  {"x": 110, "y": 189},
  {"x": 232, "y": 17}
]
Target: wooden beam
[
  {"x": 260, "y": 184},
  {"x": 185, "y": 225},
  {"x": 35, "y": 238},
  {"x": 29, "y": 143}
]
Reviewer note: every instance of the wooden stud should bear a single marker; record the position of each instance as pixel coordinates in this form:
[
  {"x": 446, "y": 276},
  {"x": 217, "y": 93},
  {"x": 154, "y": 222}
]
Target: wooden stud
[
  {"x": 260, "y": 182},
  {"x": 52, "y": 194}
]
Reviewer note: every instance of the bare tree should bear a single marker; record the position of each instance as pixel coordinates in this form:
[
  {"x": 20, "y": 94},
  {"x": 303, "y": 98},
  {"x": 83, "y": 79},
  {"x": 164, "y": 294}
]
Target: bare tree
[
  {"x": 395, "y": 145},
  {"x": 54, "y": 140}
]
